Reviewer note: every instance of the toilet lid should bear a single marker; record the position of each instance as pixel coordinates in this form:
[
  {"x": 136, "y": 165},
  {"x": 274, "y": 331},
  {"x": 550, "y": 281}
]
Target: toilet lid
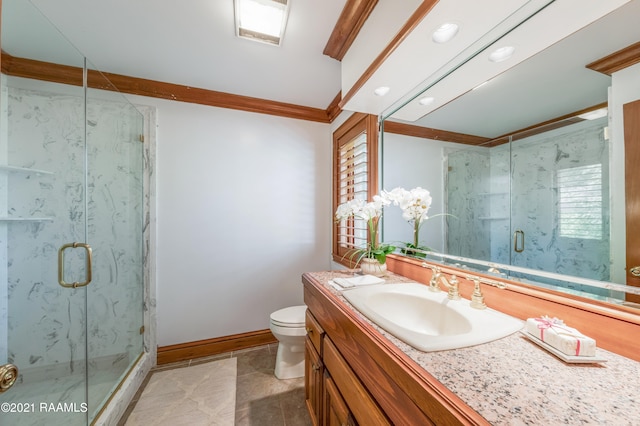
[{"x": 292, "y": 316}]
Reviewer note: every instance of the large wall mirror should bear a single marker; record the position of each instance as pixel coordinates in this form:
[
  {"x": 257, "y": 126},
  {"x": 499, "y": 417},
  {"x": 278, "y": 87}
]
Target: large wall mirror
[{"x": 525, "y": 176}]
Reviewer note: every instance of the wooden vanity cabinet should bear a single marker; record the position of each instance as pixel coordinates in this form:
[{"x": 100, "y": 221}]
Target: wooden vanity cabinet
[
  {"x": 334, "y": 395},
  {"x": 365, "y": 379},
  {"x": 314, "y": 370},
  {"x": 336, "y": 411}
]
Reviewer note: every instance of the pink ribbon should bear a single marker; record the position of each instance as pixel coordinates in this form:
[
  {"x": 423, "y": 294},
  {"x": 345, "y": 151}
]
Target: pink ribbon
[{"x": 546, "y": 322}]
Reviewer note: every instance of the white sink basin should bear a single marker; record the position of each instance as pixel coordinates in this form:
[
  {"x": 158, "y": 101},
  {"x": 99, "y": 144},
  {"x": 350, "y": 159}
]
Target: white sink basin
[{"x": 429, "y": 321}]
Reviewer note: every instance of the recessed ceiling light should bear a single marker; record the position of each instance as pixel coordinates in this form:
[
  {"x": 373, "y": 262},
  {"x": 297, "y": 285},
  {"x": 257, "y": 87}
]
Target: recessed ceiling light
[
  {"x": 261, "y": 20},
  {"x": 592, "y": 115},
  {"x": 426, "y": 100},
  {"x": 502, "y": 54},
  {"x": 381, "y": 91},
  {"x": 445, "y": 32}
]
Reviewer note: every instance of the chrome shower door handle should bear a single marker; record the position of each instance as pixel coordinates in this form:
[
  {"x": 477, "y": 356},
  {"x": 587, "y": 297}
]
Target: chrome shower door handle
[
  {"x": 518, "y": 248},
  {"x": 76, "y": 284}
]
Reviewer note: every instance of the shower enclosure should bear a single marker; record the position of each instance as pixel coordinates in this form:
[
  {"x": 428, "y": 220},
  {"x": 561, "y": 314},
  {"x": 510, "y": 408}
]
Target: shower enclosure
[{"x": 71, "y": 229}]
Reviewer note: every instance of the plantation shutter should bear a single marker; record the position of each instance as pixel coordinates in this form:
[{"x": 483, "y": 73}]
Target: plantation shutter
[
  {"x": 580, "y": 202},
  {"x": 355, "y": 159}
]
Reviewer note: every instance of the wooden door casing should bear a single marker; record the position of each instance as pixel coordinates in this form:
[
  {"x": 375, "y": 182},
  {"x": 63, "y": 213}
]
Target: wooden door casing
[{"x": 631, "y": 112}]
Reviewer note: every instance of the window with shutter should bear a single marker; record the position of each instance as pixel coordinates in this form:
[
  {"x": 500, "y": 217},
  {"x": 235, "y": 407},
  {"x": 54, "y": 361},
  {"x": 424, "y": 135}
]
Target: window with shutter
[{"x": 355, "y": 176}]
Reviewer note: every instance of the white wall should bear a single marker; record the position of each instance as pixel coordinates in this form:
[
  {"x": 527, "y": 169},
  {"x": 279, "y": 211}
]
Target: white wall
[
  {"x": 243, "y": 203},
  {"x": 409, "y": 162}
]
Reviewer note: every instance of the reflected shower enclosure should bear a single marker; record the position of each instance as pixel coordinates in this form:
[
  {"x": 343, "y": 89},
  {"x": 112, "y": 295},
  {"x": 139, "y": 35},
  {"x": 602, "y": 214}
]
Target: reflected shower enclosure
[{"x": 539, "y": 202}]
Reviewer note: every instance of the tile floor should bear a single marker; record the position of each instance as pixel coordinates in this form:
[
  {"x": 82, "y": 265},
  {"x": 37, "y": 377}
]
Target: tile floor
[{"x": 261, "y": 399}]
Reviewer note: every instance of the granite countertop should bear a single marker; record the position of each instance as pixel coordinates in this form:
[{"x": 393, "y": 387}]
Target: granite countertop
[{"x": 512, "y": 381}]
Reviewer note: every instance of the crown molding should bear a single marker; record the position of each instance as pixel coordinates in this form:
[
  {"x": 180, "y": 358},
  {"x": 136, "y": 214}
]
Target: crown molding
[
  {"x": 621, "y": 59},
  {"x": 334, "y": 110},
  {"x": 434, "y": 134},
  {"x": 47, "y": 71}
]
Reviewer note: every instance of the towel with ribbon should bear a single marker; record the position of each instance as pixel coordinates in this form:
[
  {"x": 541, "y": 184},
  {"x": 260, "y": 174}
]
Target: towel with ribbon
[{"x": 556, "y": 333}]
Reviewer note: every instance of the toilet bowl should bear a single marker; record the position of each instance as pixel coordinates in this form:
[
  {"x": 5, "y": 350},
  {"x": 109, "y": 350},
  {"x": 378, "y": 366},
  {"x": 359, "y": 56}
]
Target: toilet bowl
[{"x": 287, "y": 325}]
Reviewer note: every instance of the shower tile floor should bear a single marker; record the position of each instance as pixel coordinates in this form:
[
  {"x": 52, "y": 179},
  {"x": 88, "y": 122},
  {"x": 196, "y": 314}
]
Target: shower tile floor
[
  {"x": 50, "y": 391},
  {"x": 261, "y": 399}
]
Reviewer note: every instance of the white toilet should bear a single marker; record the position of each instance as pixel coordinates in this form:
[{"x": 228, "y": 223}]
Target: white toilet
[{"x": 287, "y": 325}]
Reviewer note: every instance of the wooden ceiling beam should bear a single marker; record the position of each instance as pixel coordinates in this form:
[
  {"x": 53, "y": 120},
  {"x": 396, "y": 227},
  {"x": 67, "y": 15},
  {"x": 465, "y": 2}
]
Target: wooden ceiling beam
[{"x": 353, "y": 16}]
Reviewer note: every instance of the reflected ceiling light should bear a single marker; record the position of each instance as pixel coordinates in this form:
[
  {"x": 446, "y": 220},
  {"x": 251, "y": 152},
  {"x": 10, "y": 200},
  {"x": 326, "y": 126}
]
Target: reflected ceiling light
[
  {"x": 261, "y": 20},
  {"x": 427, "y": 100},
  {"x": 381, "y": 91},
  {"x": 592, "y": 115},
  {"x": 502, "y": 54},
  {"x": 481, "y": 84},
  {"x": 445, "y": 32}
]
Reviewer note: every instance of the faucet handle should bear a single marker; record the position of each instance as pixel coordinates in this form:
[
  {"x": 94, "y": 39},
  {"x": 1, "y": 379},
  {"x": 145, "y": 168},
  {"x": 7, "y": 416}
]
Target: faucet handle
[
  {"x": 477, "y": 299},
  {"x": 435, "y": 277},
  {"x": 454, "y": 294}
]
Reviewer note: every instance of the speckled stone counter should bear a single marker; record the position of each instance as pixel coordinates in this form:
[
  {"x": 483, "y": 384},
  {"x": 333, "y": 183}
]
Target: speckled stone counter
[{"x": 512, "y": 381}]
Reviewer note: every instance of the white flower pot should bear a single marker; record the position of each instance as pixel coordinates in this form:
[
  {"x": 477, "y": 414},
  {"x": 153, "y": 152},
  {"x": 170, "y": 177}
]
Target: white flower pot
[{"x": 373, "y": 267}]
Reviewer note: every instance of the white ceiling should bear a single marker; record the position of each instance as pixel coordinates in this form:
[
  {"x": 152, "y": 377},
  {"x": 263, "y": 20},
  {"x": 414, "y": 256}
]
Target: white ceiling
[
  {"x": 193, "y": 43},
  {"x": 550, "y": 84}
]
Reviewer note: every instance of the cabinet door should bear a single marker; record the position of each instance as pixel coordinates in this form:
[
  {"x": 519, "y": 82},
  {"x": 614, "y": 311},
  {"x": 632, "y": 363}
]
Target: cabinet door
[
  {"x": 336, "y": 412},
  {"x": 313, "y": 382},
  {"x": 361, "y": 404}
]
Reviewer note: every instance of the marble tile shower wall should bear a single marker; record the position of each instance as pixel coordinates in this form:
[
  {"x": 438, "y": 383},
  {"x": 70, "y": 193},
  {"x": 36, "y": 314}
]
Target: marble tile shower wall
[
  {"x": 536, "y": 207},
  {"x": 495, "y": 191},
  {"x": 46, "y": 132},
  {"x": 499, "y": 203},
  {"x": 468, "y": 183}
]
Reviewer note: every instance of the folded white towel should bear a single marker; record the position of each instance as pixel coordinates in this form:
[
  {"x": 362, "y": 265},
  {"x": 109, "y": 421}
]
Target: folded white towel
[{"x": 357, "y": 281}]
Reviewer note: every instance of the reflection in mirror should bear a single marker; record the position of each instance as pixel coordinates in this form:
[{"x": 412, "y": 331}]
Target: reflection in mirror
[{"x": 522, "y": 166}]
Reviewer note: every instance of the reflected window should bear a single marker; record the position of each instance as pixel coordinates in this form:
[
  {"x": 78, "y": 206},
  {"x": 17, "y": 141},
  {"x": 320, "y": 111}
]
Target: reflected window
[{"x": 580, "y": 202}]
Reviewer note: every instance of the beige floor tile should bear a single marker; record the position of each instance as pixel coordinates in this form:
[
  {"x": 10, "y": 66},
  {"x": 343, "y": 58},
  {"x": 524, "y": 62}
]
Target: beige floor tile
[
  {"x": 185, "y": 394},
  {"x": 203, "y": 394}
]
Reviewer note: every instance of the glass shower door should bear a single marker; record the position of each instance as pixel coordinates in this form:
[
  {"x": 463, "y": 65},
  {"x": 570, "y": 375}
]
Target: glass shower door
[
  {"x": 560, "y": 201},
  {"x": 115, "y": 231},
  {"x": 42, "y": 191}
]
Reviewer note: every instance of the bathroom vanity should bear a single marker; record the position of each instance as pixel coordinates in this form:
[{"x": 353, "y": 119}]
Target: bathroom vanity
[{"x": 357, "y": 373}]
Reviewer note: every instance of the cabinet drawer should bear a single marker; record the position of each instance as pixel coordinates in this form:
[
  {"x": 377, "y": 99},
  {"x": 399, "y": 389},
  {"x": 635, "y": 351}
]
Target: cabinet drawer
[
  {"x": 361, "y": 404},
  {"x": 314, "y": 332}
]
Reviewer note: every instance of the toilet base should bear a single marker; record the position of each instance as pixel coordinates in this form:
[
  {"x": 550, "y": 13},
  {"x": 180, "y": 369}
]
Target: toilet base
[{"x": 289, "y": 361}]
